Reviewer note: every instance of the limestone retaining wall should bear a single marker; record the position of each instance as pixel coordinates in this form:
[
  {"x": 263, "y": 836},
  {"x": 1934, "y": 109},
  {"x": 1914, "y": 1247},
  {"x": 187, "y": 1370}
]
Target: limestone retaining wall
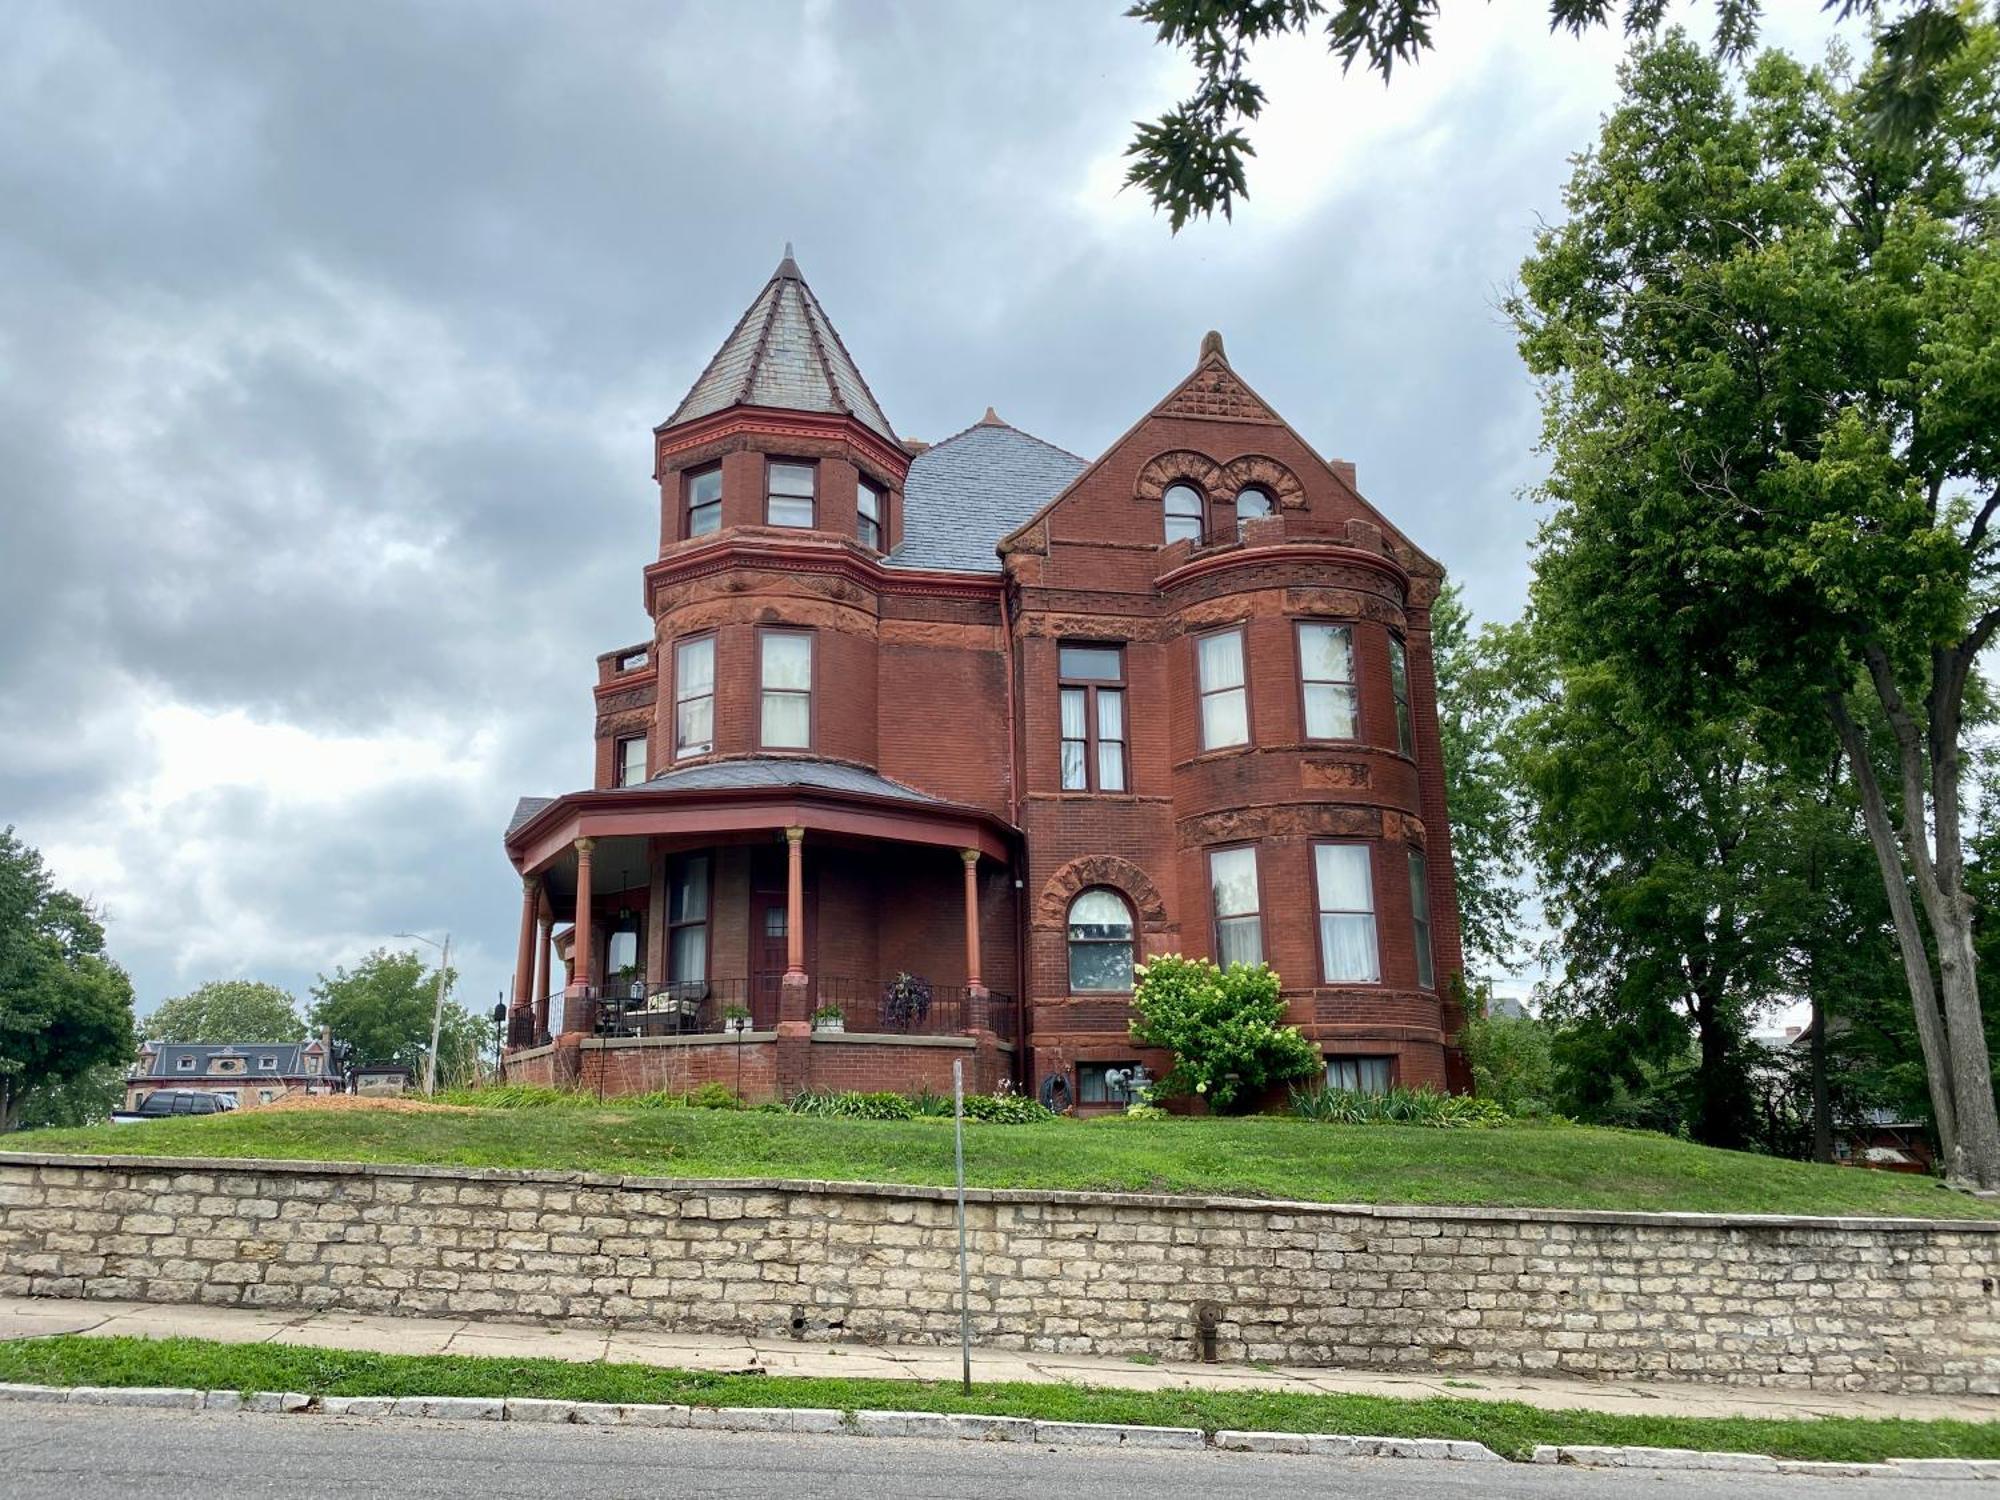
[{"x": 1875, "y": 1304}]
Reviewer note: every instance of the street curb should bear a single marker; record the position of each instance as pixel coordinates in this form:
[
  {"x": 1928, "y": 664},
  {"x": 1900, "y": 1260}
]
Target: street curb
[{"x": 828, "y": 1421}]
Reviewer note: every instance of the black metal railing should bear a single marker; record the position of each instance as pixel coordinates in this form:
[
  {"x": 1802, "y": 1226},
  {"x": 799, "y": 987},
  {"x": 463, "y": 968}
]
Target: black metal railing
[{"x": 703, "y": 1007}]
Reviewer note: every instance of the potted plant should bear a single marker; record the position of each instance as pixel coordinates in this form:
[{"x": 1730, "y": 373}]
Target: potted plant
[
  {"x": 735, "y": 1019},
  {"x": 829, "y": 1018},
  {"x": 906, "y": 1000},
  {"x": 629, "y": 982}
]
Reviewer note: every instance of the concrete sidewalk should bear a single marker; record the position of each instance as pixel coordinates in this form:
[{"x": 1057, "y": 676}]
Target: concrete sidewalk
[{"x": 22, "y": 1317}]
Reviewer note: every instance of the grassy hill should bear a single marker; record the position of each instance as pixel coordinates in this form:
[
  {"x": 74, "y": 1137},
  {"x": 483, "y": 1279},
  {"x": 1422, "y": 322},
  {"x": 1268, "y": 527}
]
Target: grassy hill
[{"x": 1260, "y": 1157}]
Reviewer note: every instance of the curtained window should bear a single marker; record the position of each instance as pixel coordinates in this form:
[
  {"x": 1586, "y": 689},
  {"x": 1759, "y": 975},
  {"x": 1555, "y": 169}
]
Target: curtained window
[
  {"x": 786, "y": 683},
  {"x": 1100, "y": 941},
  {"x": 1326, "y": 678},
  {"x": 1225, "y": 697},
  {"x": 1239, "y": 922},
  {"x": 694, "y": 696},
  {"x": 1344, "y": 882}
]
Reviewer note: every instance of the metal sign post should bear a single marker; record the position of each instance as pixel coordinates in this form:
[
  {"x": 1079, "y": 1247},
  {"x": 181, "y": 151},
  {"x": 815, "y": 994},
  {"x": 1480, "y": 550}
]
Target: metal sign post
[{"x": 964, "y": 1272}]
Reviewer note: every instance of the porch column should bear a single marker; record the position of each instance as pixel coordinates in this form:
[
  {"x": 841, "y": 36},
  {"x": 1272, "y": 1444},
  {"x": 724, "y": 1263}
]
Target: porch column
[
  {"x": 795, "y": 903},
  {"x": 583, "y": 950},
  {"x": 971, "y": 858},
  {"x": 524, "y": 956},
  {"x": 544, "y": 936}
]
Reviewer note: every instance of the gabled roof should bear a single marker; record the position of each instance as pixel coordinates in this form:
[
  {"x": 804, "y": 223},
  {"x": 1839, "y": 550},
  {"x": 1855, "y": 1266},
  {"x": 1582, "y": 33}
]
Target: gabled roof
[
  {"x": 166, "y": 1058},
  {"x": 785, "y": 353},
  {"x": 963, "y": 494}
]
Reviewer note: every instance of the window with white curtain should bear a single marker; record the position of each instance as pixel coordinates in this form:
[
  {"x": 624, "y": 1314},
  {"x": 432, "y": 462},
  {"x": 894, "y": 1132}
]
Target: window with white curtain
[
  {"x": 1225, "y": 697},
  {"x": 632, "y": 760},
  {"x": 694, "y": 697},
  {"x": 1344, "y": 882},
  {"x": 1092, "y": 685},
  {"x": 1420, "y": 921},
  {"x": 1358, "y": 1075},
  {"x": 687, "y": 920},
  {"x": 1239, "y": 921},
  {"x": 786, "y": 684},
  {"x": 1326, "y": 679}
]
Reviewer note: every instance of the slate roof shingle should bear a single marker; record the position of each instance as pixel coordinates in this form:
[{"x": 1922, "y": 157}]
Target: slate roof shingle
[
  {"x": 784, "y": 352},
  {"x": 970, "y": 490},
  {"x": 289, "y": 1055},
  {"x": 784, "y": 770}
]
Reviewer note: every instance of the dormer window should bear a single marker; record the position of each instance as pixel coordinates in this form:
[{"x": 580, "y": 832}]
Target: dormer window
[
  {"x": 868, "y": 515},
  {"x": 789, "y": 494},
  {"x": 267, "y": 1064},
  {"x": 185, "y": 1064},
  {"x": 1185, "y": 508},
  {"x": 704, "y": 501}
]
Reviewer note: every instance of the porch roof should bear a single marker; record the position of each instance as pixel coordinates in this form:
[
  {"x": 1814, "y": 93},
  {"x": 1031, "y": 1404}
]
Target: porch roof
[{"x": 751, "y": 793}]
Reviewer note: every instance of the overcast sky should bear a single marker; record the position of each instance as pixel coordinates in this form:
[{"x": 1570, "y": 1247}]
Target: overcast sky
[{"x": 331, "y": 336}]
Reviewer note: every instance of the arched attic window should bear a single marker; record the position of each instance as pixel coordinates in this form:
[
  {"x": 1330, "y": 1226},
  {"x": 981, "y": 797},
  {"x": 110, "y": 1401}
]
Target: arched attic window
[
  {"x": 1100, "y": 941},
  {"x": 1185, "y": 509},
  {"x": 1252, "y": 500}
]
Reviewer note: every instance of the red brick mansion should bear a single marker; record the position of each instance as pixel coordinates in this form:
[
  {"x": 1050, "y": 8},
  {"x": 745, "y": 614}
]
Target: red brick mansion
[{"x": 925, "y": 745}]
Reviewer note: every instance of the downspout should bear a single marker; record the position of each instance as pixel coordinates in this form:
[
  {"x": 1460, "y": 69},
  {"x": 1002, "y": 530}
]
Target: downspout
[{"x": 1023, "y": 1072}]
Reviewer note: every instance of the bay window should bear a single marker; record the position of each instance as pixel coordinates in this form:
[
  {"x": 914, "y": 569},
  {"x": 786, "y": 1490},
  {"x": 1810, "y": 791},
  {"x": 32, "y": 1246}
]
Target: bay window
[
  {"x": 1399, "y": 687},
  {"x": 788, "y": 499},
  {"x": 704, "y": 501},
  {"x": 868, "y": 509},
  {"x": 1420, "y": 921}
]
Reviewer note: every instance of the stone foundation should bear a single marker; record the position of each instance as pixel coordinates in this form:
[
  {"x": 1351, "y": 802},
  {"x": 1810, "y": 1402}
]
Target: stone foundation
[{"x": 1854, "y": 1304}]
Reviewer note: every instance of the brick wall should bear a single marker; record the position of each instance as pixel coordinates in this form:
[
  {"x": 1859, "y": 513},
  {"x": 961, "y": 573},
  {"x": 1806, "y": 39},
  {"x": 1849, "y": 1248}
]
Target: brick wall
[
  {"x": 835, "y": 1062},
  {"x": 1884, "y": 1305}
]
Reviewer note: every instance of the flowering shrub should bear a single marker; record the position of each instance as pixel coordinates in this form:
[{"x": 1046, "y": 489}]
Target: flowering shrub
[{"x": 1224, "y": 1027}]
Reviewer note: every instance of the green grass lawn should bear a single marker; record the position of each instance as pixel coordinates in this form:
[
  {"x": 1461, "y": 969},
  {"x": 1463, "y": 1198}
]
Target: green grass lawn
[
  {"x": 1262, "y": 1156},
  {"x": 1506, "y": 1427}
]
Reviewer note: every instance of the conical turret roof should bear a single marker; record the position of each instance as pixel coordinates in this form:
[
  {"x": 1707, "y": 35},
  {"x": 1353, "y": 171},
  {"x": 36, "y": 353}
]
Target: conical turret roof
[{"x": 784, "y": 352}]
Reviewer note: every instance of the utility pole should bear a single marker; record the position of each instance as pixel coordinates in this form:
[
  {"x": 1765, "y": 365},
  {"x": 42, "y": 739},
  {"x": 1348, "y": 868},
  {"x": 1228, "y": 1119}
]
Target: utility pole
[{"x": 437, "y": 1008}]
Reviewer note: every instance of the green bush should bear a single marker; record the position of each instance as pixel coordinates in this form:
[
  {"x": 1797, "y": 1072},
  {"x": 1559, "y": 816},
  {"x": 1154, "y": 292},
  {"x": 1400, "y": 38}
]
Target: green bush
[
  {"x": 708, "y": 1096},
  {"x": 1224, "y": 1027},
  {"x": 986, "y": 1109},
  {"x": 1398, "y": 1106},
  {"x": 520, "y": 1096}
]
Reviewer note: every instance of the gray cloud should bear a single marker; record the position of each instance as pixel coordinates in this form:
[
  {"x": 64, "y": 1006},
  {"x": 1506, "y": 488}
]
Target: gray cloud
[{"x": 331, "y": 335}]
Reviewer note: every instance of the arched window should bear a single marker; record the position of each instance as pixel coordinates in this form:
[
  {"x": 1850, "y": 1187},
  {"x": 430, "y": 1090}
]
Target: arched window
[
  {"x": 1184, "y": 512},
  {"x": 1251, "y": 500},
  {"x": 1100, "y": 941}
]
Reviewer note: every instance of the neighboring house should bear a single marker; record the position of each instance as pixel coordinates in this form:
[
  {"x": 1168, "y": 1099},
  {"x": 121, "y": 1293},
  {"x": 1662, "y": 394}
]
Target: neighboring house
[
  {"x": 999, "y": 717},
  {"x": 251, "y": 1072}
]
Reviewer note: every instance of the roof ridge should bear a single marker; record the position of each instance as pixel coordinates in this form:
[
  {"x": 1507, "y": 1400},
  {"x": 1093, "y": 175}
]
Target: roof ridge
[
  {"x": 756, "y": 360},
  {"x": 721, "y": 349},
  {"x": 1010, "y": 427},
  {"x": 852, "y": 363},
  {"x": 808, "y": 304}
]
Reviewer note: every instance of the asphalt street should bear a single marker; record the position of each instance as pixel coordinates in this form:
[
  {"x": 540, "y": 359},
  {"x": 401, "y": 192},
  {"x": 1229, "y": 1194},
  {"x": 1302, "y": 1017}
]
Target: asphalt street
[{"x": 110, "y": 1454}]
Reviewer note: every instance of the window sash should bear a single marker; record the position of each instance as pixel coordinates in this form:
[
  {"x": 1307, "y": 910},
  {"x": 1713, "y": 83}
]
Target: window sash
[
  {"x": 1343, "y": 882},
  {"x": 687, "y": 920},
  {"x": 789, "y": 492},
  {"x": 785, "y": 660},
  {"x": 1185, "y": 509},
  {"x": 1100, "y": 938},
  {"x": 1091, "y": 701},
  {"x": 704, "y": 502},
  {"x": 632, "y": 760},
  {"x": 1237, "y": 904},
  {"x": 1399, "y": 687},
  {"x": 1224, "y": 690},
  {"x": 1420, "y": 922},
  {"x": 1327, "y": 681},
  {"x": 694, "y": 697},
  {"x": 868, "y": 515},
  {"x": 1358, "y": 1075}
]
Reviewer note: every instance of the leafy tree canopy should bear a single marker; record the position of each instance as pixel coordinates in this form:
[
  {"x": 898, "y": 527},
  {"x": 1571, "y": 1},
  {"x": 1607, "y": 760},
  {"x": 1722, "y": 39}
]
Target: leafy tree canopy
[
  {"x": 1475, "y": 702},
  {"x": 228, "y": 1010},
  {"x": 1193, "y": 160},
  {"x": 65, "y": 1008},
  {"x": 380, "y": 1011}
]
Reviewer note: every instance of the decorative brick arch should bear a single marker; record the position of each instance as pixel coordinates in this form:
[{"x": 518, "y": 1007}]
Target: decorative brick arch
[
  {"x": 1121, "y": 875},
  {"x": 1266, "y": 474},
  {"x": 1183, "y": 463}
]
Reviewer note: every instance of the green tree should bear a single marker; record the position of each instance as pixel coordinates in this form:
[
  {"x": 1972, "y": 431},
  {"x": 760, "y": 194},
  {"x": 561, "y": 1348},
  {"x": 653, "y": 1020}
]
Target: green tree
[
  {"x": 65, "y": 1008},
  {"x": 1512, "y": 1062},
  {"x": 228, "y": 1010},
  {"x": 1770, "y": 343},
  {"x": 381, "y": 1013},
  {"x": 1475, "y": 706},
  {"x": 1225, "y": 1028},
  {"x": 1192, "y": 161}
]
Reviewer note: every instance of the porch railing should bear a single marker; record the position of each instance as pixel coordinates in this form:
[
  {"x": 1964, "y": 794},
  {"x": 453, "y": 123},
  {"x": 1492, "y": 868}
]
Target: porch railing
[{"x": 699, "y": 1007}]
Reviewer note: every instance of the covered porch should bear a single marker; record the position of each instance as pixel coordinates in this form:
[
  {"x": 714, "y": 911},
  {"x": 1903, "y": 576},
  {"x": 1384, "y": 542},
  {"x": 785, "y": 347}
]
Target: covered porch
[{"x": 845, "y": 926}]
